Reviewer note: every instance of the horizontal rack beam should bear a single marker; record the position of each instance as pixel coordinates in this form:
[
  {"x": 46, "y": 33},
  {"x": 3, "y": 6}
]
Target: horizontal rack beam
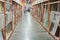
[{"x": 52, "y": 2}]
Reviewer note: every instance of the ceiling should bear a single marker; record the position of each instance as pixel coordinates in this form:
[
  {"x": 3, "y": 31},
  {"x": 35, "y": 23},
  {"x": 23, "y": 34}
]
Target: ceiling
[{"x": 23, "y": 1}]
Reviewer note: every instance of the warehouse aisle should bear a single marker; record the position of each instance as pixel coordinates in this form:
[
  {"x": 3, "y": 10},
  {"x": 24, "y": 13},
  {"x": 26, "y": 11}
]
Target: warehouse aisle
[{"x": 29, "y": 29}]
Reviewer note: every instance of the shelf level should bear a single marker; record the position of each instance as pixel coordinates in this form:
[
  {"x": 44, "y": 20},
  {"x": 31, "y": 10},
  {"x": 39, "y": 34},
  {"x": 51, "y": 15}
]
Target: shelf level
[
  {"x": 8, "y": 35},
  {"x": 52, "y": 2},
  {"x": 2, "y": 1}
]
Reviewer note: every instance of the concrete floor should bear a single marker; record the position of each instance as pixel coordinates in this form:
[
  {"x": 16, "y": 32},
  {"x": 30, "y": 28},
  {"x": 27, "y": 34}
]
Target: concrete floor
[{"x": 29, "y": 29}]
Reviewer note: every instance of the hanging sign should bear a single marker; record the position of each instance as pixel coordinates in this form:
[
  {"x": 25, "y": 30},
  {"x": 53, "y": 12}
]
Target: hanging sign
[{"x": 23, "y": 2}]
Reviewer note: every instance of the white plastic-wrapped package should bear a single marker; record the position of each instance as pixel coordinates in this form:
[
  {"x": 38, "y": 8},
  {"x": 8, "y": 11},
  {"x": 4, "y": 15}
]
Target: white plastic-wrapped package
[
  {"x": 8, "y": 18},
  {"x": 1, "y": 36},
  {"x": 1, "y": 21}
]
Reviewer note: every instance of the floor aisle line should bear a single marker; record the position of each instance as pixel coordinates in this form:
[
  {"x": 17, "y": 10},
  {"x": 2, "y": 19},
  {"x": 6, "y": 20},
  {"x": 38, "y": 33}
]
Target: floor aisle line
[{"x": 29, "y": 29}]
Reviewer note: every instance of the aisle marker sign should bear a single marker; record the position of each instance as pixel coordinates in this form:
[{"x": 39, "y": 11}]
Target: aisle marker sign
[{"x": 23, "y": 2}]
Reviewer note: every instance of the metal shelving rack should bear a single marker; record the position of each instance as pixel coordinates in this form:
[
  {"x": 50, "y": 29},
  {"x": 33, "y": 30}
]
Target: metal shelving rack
[
  {"x": 10, "y": 17},
  {"x": 42, "y": 6}
]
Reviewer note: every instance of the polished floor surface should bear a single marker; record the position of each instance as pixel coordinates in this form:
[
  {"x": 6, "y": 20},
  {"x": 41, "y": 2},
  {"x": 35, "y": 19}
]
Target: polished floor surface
[{"x": 29, "y": 29}]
